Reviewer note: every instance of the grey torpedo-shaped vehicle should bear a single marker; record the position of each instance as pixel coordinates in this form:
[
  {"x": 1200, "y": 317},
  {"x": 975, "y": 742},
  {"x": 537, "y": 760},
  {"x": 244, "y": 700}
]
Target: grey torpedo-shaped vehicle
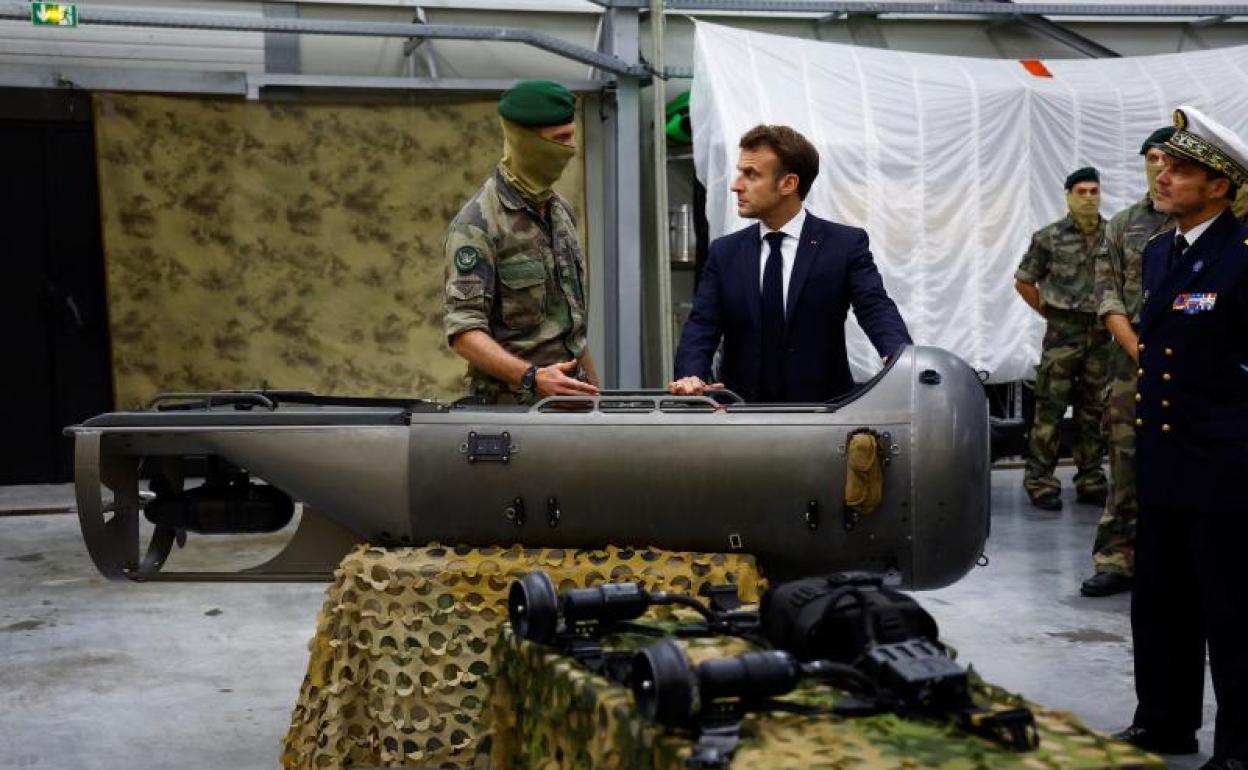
[{"x": 625, "y": 468}]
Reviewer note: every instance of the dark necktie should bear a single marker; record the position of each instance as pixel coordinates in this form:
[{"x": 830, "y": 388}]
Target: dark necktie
[
  {"x": 1176, "y": 250},
  {"x": 771, "y": 388}
]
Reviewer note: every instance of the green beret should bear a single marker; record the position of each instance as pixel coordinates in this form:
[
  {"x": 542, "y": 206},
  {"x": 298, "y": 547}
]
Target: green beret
[
  {"x": 537, "y": 103},
  {"x": 1085, "y": 174},
  {"x": 1157, "y": 137}
]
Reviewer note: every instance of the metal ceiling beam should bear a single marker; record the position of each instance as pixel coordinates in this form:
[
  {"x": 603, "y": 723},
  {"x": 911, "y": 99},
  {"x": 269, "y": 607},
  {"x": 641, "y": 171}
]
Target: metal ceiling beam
[
  {"x": 1067, "y": 37},
  {"x": 1212, "y": 13},
  {"x": 389, "y": 83},
  {"x": 1210, "y": 21},
  {"x": 936, "y": 8},
  {"x": 124, "y": 79},
  {"x": 243, "y": 83},
  {"x": 281, "y": 51},
  {"x": 638, "y": 4},
  {"x": 960, "y": 8},
  {"x": 90, "y": 15}
]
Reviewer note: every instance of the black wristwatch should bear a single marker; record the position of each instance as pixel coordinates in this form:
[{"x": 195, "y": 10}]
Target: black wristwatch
[{"x": 528, "y": 380}]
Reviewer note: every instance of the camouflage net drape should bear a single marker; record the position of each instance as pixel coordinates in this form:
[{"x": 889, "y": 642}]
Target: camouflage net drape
[
  {"x": 404, "y": 645},
  {"x": 548, "y": 713},
  {"x": 287, "y": 245}
]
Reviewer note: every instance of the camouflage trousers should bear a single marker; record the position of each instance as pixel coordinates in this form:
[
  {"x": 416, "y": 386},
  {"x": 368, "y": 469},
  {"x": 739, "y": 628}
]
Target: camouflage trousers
[
  {"x": 1114, "y": 548},
  {"x": 1072, "y": 371}
]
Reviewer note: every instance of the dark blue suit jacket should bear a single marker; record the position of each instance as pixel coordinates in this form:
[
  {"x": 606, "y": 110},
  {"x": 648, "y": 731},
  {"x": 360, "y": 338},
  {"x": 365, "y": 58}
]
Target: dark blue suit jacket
[
  {"x": 832, "y": 272},
  {"x": 1192, "y": 408}
]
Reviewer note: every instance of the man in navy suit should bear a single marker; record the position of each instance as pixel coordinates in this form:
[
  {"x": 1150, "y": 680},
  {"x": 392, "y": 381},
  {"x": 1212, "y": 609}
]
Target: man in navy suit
[
  {"x": 1191, "y": 428},
  {"x": 777, "y": 292}
]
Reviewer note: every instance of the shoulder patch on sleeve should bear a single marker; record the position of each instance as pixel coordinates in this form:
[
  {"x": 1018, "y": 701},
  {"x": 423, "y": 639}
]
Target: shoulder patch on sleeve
[{"x": 466, "y": 258}]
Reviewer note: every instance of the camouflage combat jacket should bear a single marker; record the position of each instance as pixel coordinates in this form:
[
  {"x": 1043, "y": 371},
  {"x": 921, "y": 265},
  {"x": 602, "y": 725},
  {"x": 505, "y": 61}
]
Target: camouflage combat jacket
[
  {"x": 1119, "y": 269},
  {"x": 517, "y": 274},
  {"x": 1062, "y": 262}
]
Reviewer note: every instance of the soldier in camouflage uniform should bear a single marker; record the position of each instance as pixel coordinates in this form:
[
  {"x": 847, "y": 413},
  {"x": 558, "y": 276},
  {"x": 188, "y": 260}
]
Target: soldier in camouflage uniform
[
  {"x": 1062, "y": 261},
  {"x": 1240, "y": 206},
  {"x": 1118, "y": 299},
  {"x": 515, "y": 273}
]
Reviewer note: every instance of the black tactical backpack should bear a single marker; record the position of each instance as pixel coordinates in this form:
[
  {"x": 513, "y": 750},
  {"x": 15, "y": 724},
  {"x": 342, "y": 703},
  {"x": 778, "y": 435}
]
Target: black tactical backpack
[{"x": 839, "y": 617}]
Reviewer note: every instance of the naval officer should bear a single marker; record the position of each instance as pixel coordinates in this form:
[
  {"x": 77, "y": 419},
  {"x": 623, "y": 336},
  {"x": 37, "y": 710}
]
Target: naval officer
[{"x": 1192, "y": 452}]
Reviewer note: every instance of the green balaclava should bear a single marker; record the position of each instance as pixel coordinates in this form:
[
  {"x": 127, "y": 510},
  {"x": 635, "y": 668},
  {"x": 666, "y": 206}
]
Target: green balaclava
[
  {"x": 1152, "y": 170},
  {"x": 531, "y": 163},
  {"x": 1085, "y": 210}
]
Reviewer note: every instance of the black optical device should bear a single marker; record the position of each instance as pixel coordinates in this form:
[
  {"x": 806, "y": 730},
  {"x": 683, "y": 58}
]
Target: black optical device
[
  {"x": 672, "y": 691},
  {"x": 712, "y": 698},
  {"x": 575, "y": 620},
  {"x": 853, "y": 618},
  {"x": 848, "y": 629},
  {"x": 539, "y": 613}
]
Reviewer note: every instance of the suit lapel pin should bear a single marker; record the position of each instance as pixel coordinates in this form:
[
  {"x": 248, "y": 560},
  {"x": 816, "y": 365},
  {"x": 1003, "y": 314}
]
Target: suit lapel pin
[{"x": 1196, "y": 268}]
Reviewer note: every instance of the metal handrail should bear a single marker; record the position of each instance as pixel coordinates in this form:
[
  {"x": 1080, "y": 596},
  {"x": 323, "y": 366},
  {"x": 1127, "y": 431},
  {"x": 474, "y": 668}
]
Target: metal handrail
[
  {"x": 650, "y": 400},
  {"x": 216, "y": 398}
]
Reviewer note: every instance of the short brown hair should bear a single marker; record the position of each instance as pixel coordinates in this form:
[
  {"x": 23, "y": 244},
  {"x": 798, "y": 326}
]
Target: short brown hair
[{"x": 797, "y": 155}]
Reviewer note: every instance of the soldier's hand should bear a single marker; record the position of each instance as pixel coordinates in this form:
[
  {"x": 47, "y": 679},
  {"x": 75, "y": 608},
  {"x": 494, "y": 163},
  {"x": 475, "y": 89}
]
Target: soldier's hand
[
  {"x": 559, "y": 380},
  {"x": 692, "y": 386}
]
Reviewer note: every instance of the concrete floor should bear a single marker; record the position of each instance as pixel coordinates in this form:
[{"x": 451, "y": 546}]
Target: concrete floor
[{"x": 126, "y": 676}]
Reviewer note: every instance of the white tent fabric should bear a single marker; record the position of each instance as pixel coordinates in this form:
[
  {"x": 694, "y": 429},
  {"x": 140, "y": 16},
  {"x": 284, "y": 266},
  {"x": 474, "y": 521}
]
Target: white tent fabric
[{"x": 949, "y": 163}]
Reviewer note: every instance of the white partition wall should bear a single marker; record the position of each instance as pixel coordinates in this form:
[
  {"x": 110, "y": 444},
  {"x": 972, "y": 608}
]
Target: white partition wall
[{"x": 949, "y": 163}]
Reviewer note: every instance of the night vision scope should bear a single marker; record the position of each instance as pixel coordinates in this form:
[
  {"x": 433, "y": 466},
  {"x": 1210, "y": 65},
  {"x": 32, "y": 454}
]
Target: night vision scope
[
  {"x": 671, "y": 691},
  {"x": 539, "y": 612}
]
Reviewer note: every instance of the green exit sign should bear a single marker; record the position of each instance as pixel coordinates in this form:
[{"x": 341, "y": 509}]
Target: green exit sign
[{"x": 54, "y": 14}]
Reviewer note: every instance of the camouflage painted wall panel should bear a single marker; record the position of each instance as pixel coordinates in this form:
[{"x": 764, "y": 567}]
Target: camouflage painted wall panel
[{"x": 287, "y": 245}]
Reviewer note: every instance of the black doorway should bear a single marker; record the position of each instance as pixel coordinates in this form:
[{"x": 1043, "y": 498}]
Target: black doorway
[{"x": 54, "y": 358}]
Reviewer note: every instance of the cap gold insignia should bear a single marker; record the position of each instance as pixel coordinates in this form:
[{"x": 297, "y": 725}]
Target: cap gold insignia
[
  {"x": 1206, "y": 153},
  {"x": 1180, "y": 120}
]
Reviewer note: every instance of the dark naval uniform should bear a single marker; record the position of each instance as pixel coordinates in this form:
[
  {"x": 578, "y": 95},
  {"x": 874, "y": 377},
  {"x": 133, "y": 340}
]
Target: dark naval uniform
[{"x": 1192, "y": 472}]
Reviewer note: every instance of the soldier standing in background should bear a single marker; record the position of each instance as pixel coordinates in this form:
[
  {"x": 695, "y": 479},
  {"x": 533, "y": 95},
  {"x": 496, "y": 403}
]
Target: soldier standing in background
[
  {"x": 1056, "y": 278},
  {"x": 515, "y": 295},
  {"x": 1240, "y": 206},
  {"x": 1118, "y": 298}
]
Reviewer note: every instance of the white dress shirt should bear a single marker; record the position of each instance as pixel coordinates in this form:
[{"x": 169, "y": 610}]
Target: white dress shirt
[
  {"x": 1191, "y": 235},
  {"x": 788, "y": 251}
]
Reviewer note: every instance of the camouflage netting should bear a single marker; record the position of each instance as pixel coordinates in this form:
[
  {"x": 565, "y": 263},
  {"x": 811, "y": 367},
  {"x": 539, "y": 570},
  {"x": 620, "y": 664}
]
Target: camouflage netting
[
  {"x": 547, "y": 712},
  {"x": 406, "y": 638},
  {"x": 287, "y": 244}
]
